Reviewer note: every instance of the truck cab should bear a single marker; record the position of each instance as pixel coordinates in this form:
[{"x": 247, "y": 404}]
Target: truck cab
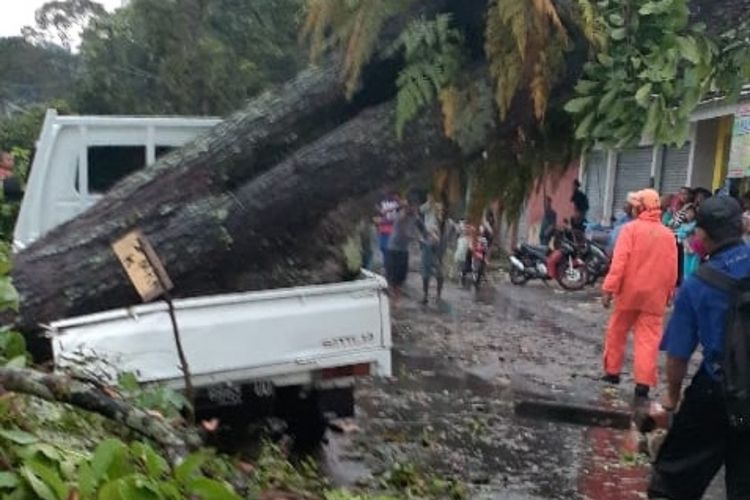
[{"x": 78, "y": 158}]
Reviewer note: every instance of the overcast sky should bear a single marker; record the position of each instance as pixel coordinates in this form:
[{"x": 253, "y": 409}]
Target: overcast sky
[{"x": 15, "y": 14}]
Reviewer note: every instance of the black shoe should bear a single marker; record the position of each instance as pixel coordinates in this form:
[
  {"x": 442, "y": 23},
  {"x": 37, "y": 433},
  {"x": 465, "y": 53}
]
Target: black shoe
[
  {"x": 641, "y": 391},
  {"x": 641, "y": 405},
  {"x": 611, "y": 379}
]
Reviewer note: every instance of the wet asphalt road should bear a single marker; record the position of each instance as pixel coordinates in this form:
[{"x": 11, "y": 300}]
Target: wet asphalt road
[{"x": 458, "y": 369}]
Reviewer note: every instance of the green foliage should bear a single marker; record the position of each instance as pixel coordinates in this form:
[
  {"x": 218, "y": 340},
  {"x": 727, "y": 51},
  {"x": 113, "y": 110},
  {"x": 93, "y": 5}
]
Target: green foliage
[
  {"x": 647, "y": 79},
  {"x": 188, "y": 57},
  {"x": 167, "y": 402},
  {"x": 114, "y": 470},
  {"x": 17, "y": 134},
  {"x": 8, "y": 301},
  {"x": 54, "y": 452},
  {"x": 413, "y": 482},
  {"x": 350, "y": 25},
  {"x": 273, "y": 470},
  {"x": 432, "y": 53},
  {"x": 33, "y": 73},
  {"x": 733, "y": 67},
  {"x": 21, "y": 130}
]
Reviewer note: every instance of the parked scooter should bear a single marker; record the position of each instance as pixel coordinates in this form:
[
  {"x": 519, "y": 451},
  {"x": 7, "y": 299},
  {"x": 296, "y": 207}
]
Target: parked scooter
[
  {"x": 597, "y": 261},
  {"x": 563, "y": 264}
]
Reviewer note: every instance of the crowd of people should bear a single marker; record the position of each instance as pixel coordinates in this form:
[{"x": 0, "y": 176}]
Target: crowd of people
[
  {"x": 688, "y": 250},
  {"x": 401, "y": 223}
]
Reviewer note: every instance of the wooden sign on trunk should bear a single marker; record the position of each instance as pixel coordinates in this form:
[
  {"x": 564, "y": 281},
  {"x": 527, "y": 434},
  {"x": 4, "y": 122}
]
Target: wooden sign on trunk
[{"x": 144, "y": 268}]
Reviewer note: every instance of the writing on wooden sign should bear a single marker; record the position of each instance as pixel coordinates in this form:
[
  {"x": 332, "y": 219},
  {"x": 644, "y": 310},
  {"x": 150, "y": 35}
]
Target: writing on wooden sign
[{"x": 143, "y": 266}]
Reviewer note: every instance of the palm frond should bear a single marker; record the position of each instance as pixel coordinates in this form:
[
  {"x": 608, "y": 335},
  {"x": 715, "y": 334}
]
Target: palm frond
[
  {"x": 432, "y": 52},
  {"x": 522, "y": 43},
  {"x": 351, "y": 25}
]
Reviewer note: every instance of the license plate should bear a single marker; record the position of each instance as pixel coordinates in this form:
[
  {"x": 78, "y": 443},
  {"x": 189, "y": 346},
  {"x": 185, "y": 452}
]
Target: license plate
[
  {"x": 225, "y": 395},
  {"x": 263, "y": 388}
]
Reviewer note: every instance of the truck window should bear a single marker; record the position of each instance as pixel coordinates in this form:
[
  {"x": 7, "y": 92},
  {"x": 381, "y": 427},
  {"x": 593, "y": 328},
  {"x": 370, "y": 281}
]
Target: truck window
[{"x": 109, "y": 164}]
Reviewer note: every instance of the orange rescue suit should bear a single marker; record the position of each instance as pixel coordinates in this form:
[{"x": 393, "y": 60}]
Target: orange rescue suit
[{"x": 642, "y": 279}]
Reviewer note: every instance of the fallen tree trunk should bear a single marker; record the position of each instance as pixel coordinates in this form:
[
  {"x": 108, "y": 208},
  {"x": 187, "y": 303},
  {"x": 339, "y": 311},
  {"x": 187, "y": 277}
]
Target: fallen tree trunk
[
  {"x": 262, "y": 234},
  {"x": 195, "y": 188}
]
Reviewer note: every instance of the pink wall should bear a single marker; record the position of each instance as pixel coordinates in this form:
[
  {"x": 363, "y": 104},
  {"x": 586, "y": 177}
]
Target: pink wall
[{"x": 560, "y": 189}]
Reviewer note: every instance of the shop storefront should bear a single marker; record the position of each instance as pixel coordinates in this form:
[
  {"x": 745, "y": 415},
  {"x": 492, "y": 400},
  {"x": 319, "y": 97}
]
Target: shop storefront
[{"x": 718, "y": 149}]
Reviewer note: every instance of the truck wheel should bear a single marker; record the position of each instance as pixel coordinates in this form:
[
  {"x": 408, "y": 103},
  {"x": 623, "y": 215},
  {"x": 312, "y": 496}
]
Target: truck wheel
[{"x": 300, "y": 410}]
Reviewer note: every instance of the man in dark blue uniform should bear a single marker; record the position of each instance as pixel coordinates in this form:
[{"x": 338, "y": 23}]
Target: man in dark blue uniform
[{"x": 701, "y": 439}]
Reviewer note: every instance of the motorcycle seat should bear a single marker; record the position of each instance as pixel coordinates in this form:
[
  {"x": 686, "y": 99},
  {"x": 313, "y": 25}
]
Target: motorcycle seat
[{"x": 539, "y": 250}]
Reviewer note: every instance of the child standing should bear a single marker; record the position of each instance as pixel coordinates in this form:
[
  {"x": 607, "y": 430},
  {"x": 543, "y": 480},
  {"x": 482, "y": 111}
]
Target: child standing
[{"x": 691, "y": 259}]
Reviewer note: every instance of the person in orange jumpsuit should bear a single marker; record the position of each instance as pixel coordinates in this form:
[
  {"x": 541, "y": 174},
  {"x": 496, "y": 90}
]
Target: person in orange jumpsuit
[{"x": 641, "y": 281}]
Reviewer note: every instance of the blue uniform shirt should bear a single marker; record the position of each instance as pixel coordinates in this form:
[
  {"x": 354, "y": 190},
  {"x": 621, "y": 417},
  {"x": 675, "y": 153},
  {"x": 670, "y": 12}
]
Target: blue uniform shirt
[{"x": 700, "y": 312}]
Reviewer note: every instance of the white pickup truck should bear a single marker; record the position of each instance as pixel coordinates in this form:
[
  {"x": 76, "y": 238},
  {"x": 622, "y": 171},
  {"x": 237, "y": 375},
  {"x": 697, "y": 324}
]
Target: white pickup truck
[{"x": 292, "y": 353}]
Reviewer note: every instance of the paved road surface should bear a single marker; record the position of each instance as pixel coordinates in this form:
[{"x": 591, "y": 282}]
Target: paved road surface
[{"x": 459, "y": 367}]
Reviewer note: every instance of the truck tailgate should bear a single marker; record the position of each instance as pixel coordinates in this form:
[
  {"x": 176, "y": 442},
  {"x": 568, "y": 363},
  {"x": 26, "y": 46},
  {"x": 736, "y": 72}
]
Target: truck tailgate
[{"x": 230, "y": 338}]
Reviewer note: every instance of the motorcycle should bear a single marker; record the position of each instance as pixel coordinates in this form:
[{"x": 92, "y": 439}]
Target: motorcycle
[
  {"x": 597, "y": 261},
  {"x": 563, "y": 264},
  {"x": 474, "y": 273}
]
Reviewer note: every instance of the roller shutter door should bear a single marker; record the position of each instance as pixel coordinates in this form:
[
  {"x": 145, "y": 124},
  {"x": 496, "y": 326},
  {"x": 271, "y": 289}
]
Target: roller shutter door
[
  {"x": 674, "y": 169},
  {"x": 633, "y": 174},
  {"x": 596, "y": 184}
]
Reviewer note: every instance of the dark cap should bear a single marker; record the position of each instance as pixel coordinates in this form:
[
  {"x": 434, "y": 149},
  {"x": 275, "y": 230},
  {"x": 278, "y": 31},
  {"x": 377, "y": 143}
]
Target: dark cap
[{"x": 721, "y": 218}]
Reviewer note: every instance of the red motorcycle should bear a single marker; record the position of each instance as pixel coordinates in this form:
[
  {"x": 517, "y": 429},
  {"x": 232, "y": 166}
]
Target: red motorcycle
[
  {"x": 476, "y": 262},
  {"x": 562, "y": 264}
]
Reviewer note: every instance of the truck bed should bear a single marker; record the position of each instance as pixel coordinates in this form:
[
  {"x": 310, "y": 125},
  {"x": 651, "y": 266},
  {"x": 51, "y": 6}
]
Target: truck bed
[{"x": 285, "y": 336}]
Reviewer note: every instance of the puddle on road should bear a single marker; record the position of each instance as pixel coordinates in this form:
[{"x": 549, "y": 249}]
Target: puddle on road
[{"x": 427, "y": 373}]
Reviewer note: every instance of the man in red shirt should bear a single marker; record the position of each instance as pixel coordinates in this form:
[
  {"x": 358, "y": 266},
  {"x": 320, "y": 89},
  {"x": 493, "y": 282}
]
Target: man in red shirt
[
  {"x": 641, "y": 281},
  {"x": 387, "y": 214}
]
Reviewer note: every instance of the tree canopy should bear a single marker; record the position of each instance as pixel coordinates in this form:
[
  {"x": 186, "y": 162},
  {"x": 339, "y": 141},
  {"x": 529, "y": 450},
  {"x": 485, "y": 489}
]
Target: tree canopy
[
  {"x": 648, "y": 63},
  {"x": 187, "y": 56},
  {"x": 61, "y": 21},
  {"x": 528, "y": 83},
  {"x": 191, "y": 57},
  {"x": 34, "y": 73}
]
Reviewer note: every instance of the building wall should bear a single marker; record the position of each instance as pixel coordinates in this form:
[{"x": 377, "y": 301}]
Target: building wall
[{"x": 557, "y": 187}]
